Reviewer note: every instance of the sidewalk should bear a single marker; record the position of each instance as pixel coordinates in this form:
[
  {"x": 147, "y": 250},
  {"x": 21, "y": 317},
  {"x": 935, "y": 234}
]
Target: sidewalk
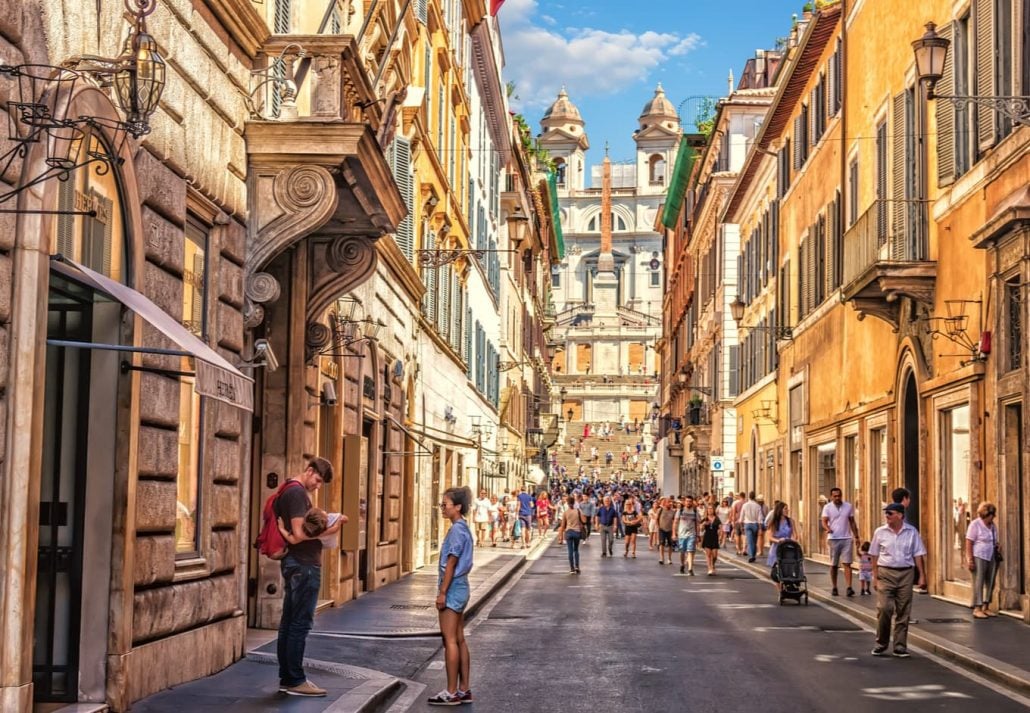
[
  {"x": 997, "y": 649},
  {"x": 404, "y": 608}
]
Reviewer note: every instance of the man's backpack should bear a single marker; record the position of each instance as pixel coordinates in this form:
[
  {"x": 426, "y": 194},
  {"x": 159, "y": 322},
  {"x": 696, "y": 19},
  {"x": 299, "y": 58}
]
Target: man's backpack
[{"x": 270, "y": 541}]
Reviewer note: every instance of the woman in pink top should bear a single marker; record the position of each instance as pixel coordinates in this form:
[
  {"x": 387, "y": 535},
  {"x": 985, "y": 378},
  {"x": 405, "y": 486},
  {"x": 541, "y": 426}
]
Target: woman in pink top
[{"x": 543, "y": 512}]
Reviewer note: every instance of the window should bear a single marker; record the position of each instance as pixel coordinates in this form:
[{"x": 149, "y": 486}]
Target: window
[
  {"x": 955, "y": 460},
  {"x": 878, "y": 461},
  {"x": 825, "y": 478},
  {"x": 881, "y": 183},
  {"x": 656, "y": 170},
  {"x": 656, "y": 278},
  {"x": 555, "y": 278},
  {"x": 190, "y": 470},
  {"x": 783, "y": 175},
  {"x": 853, "y": 191},
  {"x": 560, "y": 169},
  {"x": 1014, "y": 329},
  {"x": 851, "y": 480}
]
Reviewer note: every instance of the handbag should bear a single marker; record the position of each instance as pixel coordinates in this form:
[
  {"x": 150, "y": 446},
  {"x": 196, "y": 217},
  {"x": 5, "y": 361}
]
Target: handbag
[{"x": 998, "y": 559}]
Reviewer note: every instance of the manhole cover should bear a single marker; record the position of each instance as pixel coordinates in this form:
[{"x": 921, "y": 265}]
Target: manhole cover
[
  {"x": 410, "y": 606},
  {"x": 945, "y": 621}
]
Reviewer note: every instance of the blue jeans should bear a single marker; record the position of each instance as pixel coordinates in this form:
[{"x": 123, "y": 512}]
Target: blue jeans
[
  {"x": 572, "y": 543},
  {"x": 751, "y": 533},
  {"x": 300, "y": 596}
]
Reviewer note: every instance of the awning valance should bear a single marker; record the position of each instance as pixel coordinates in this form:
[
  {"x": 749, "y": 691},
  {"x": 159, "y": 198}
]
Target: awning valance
[{"x": 216, "y": 378}]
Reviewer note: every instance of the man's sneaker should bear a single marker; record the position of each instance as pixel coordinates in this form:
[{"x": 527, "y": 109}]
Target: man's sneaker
[
  {"x": 683, "y": 569},
  {"x": 901, "y": 652},
  {"x": 834, "y": 592},
  {"x": 690, "y": 572},
  {"x": 850, "y": 592},
  {"x": 305, "y": 689},
  {"x": 465, "y": 696},
  {"x": 880, "y": 650},
  {"x": 444, "y": 698}
]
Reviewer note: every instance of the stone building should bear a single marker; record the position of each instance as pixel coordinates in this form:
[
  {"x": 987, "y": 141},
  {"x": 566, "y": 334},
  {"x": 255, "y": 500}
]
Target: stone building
[{"x": 608, "y": 289}]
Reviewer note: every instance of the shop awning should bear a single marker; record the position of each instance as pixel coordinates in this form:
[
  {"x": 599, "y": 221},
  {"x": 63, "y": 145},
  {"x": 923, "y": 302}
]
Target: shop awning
[
  {"x": 216, "y": 378},
  {"x": 678, "y": 185}
]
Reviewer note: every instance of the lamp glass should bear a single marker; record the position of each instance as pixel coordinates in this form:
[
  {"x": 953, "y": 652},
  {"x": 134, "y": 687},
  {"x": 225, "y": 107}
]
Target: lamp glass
[
  {"x": 141, "y": 80},
  {"x": 930, "y": 51},
  {"x": 737, "y": 309}
]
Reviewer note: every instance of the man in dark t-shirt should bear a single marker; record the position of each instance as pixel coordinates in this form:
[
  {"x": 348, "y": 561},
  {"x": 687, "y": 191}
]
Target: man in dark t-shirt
[{"x": 302, "y": 575}]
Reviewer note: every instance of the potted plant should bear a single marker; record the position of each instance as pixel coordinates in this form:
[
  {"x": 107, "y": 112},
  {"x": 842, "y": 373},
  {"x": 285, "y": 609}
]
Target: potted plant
[{"x": 694, "y": 410}]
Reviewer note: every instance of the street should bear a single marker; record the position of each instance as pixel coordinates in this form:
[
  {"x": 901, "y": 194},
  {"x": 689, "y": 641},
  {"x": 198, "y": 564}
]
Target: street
[{"x": 629, "y": 635}]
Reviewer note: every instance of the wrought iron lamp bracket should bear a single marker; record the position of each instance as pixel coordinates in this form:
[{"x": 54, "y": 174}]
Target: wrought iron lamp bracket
[{"x": 1015, "y": 108}]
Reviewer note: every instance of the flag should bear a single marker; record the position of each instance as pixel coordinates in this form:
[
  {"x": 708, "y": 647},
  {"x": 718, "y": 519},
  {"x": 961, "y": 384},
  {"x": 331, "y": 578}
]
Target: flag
[{"x": 495, "y": 5}]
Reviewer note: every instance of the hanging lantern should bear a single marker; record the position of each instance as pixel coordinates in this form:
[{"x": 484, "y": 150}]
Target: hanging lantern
[{"x": 141, "y": 79}]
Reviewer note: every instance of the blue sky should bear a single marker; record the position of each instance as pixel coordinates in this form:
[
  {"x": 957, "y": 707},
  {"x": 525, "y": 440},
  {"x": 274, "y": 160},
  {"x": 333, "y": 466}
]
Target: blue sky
[{"x": 611, "y": 54}]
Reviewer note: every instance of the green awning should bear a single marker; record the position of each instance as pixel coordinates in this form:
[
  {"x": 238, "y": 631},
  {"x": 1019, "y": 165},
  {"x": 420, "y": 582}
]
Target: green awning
[
  {"x": 552, "y": 190},
  {"x": 678, "y": 185}
]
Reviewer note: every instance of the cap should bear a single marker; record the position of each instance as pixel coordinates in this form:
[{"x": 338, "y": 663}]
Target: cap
[
  {"x": 760, "y": 499},
  {"x": 895, "y": 507}
]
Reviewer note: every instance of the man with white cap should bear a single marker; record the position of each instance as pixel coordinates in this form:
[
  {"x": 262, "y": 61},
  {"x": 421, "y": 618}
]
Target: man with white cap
[{"x": 897, "y": 551}]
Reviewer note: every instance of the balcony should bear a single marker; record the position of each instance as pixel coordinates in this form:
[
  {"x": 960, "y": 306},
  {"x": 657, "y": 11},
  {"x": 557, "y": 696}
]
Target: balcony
[
  {"x": 885, "y": 259},
  {"x": 316, "y": 164},
  {"x": 697, "y": 423}
]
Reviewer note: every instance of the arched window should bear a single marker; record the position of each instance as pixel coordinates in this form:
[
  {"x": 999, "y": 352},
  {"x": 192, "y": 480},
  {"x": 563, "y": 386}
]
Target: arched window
[
  {"x": 656, "y": 169},
  {"x": 559, "y": 171},
  {"x": 618, "y": 223}
]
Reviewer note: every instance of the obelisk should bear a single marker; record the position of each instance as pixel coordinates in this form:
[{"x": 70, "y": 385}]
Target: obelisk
[{"x": 606, "y": 285}]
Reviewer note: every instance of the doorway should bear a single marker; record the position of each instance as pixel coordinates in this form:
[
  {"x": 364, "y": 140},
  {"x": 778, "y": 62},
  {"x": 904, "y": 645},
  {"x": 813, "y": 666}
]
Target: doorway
[
  {"x": 910, "y": 448},
  {"x": 1016, "y": 475},
  {"x": 364, "y": 481}
]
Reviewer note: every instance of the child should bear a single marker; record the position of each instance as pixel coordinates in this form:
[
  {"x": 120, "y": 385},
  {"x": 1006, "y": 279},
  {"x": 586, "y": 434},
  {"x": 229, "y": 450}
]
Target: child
[
  {"x": 865, "y": 569},
  {"x": 453, "y": 596},
  {"x": 315, "y": 522}
]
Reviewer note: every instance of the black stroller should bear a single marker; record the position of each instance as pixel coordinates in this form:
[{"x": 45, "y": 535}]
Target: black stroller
[{"x": 789, "y": 571}]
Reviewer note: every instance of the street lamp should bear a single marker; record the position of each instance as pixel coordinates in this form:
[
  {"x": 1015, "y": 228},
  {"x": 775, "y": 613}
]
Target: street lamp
[
  {"x": 931, "y": 50},
  {"x": 569, "y": 414},
  {"x": 737, "y": 312}
]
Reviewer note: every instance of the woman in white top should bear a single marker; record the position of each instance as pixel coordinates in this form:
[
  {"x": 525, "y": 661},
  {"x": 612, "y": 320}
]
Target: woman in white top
[{"x": 982, "y": 552}]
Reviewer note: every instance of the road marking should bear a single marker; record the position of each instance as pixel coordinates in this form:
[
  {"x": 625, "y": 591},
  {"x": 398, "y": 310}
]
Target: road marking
[
  {"x": 787, "y": 628},
  {"x": 746, "y": 606},
  {"x": 435, "y": 665},
  {"x": 582, "y": 586},
  {"x": 649, "y": 669},
  {"x": 913, "y": 693},
  {"x": 711, "y": 591},
  {"x": 830, "y": 658}
]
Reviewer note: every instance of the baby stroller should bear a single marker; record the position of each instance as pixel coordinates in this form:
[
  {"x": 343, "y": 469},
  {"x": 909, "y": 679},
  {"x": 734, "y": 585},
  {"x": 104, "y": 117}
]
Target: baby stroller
[{"x": 789, "y": 571}]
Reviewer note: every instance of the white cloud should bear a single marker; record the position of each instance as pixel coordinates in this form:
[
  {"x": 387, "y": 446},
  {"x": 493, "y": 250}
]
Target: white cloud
[{"x": 588, "y": 61}]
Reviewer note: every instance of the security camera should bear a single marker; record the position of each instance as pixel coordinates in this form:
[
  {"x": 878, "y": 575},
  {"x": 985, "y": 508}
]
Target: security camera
[
  {"x": 329, "y": 394},
  {"x": 263, "y": 350}
]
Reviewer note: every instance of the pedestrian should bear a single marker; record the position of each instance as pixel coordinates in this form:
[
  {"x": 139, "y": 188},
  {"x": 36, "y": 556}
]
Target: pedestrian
[
  {"x": 738, "y": 524},
  {"x": 897, "y": 551},
  {"x": 865, "y": 569},
  {"x": 762, "y": 523},
  {"x": 711, "y": 529},
  {"x": 453, "y": 596},
  {"x": 570, "y": 532},
  {"x": 588, "y": 507},
  {"x": 687, "y": 524},
  {"x": 666, "y": 518},
  {"x": 838, "y": 520},
  {"x": 495, "y": 520},
  {"x": 481, "y": 518},
  {"x": 982, "y": 557},
  {"x": 723, "y": 514},
  {"x": 903, "y": 497},
  {"x": 605, "y": 520},
  {"x": 751, "y": 516},
  {"x": 526, "y": 507},
  {"x": 511, "y": 518},
  {"x": 631, "y": 520},
  {"x": 302, "y": 576},
  {"x": 652, "y": 525},
  {"x": 781, "y": 528},
  {"x": 543, "y": 513}
]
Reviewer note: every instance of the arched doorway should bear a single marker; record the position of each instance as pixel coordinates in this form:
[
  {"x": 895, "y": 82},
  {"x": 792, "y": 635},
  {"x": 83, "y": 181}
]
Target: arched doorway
[{"x": 910, "y": 446}]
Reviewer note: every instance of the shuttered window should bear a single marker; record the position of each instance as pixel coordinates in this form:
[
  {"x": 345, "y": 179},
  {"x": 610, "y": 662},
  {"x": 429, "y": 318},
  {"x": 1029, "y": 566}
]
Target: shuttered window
[
  {"x": 783, "y": 298},
  {"x": 881, "y": 183},
  {"x": 734, "y": 371},
  {"x": 429, "y": 280},
  {"x": 985, "y": 47},
  {"x": 401, "y": 163},
  {"x": 837, "y": 241},
  {"x": 422, "y": 10},
  {"x": 852, "y": 191},
  {"x": 467, "y": 354},
  {"x": 783, "y": 159},
  {"x": 946, "y": 120}
]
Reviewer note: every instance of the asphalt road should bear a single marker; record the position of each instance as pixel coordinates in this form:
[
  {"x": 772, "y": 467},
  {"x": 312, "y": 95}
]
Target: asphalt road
[{"x": 629, "y": 635}]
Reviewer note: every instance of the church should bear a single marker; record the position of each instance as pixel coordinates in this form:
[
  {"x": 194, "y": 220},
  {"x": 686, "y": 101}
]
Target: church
[{"x": 608, "y": 291}]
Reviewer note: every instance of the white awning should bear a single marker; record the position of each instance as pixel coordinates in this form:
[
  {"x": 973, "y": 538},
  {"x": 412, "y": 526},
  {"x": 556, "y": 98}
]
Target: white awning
[
  {"x": 216, "y": 378},
  {"x": 535, "y": 474}
]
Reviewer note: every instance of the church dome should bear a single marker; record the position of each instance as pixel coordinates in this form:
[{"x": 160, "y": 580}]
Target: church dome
[
  {"x": 658, "y": 111},
  {"x": 562, "y": 111}
]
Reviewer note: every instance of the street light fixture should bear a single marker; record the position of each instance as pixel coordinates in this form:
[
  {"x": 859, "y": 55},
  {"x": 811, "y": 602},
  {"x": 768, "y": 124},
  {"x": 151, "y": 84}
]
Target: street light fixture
[
  {"x": 931, "y": 50},
  {"x": 737, "y": 307}
]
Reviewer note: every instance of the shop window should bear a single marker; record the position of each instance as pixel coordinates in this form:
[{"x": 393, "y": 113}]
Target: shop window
[
  {"x": 1014, "y": 331},
  {"x": 851, "y": 478},
  {"x": 959, "y": 511},
  {"x": 878, "y": 461},
  {"x": 189, "y": 474},
  {"x": 826, "y": 478}
]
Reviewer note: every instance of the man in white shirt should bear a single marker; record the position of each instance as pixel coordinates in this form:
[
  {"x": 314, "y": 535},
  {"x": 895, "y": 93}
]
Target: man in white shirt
[
  {"x": 751, "y": 516},
  {"x": 897, "y": 551},
  {"x": 481, "y": 518},
  {"x": 838, "y": 520}
]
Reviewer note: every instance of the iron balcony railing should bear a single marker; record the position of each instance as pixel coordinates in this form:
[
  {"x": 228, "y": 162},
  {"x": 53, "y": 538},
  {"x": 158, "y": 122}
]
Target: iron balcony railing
[{"x": 885, "y": 232}]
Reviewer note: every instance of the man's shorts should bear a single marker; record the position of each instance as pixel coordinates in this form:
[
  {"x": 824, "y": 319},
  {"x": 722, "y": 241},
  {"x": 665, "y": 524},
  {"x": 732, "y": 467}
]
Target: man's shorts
[
  {"x": 458, "y": 594},
  {"x": 738, "y": 528},
  {"x": 664, "y": 538},
  {"x": 840, "y": 551},
  {"x": 527, "y": 521},
  {"x": 688, "y": 544}
]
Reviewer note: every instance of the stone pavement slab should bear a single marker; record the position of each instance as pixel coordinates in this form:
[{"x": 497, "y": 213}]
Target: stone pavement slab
[{"x": 997, "y": 648}]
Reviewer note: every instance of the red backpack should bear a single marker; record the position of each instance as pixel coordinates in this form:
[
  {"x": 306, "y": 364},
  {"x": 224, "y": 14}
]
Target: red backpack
[{"x": 270, "y": 541}]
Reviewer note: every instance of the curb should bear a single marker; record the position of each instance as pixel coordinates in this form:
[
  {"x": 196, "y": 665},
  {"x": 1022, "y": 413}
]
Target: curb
[
  {"x": 499, "y": 578},
  {"x": 1000, "y": 672}
]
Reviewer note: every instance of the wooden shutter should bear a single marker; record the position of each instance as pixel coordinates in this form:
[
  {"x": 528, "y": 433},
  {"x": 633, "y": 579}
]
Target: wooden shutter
[
  {"x": 802, "y": 275},
  {"x": 799, "y": 141},
  {"x": 946, "y": 116},
  {"x": 429, "y": 278},
  {"x": 898, "y": 171},
  {"x": 405, "y": 235},
  {"x": 837, "y": 231},
  {"x": 281, "y": 19},
  {"x": 422, "y": 8},
  {"x": 810, "y": 273},
  {"x": 65, "y": 221},
  {"x": 783, "y": 308},
  {"x": 881, "y": 183},
  {"x": 468, "y": 341},
  {"x": 774, "y": 221},
  {"x": 986, "y": 118}
]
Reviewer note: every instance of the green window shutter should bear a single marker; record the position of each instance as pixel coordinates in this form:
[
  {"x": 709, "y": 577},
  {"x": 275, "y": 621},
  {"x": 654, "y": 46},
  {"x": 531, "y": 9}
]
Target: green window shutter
[
  {"x": 401, "y": 164},
  {"x": 946, "y": 120},
  {"x": 65, "y": 222},
  {"x": 898, "y": 171},
  {"x": 986, "y": 118}
]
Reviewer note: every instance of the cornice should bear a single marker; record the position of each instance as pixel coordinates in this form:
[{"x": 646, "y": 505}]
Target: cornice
[
  {"x": 398, "y": 264},
  {"x": 243, "y": 22}
]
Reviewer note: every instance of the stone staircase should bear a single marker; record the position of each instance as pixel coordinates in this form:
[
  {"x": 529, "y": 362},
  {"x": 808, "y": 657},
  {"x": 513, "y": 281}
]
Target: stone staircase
[{"x": 616, "y": 443}]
